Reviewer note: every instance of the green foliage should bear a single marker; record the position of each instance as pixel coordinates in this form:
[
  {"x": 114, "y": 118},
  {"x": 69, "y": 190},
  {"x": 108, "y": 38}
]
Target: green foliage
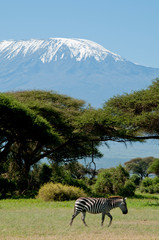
[
  {"x": 76, "y": 170},
  {"x": 137, "y": 112},
  {"x": 40, "y": 174},
  {"x": 38, "y": 124},
  {"x": 45, "y": 173},
  {"x": 104, "y": 184},
  {"x": 102, "y": 125},
  {"x": 114, "y": 181},
  {"x": 58, "y": 173},
  {"x": 16, "y": 118},
  {"x": 150, "y": 185},
  {"x": 147, "y": 182},
  {"x": 128, "y": 189},
  {"x": 139, "y": 166},
  {"x": 61, "y": 112},
  {"x": 135, "y": 179},
  {"x": 59, "y": 192},
  {"x": 65, "y": 177},
  {"x": 22, "y": 132},
  {"x": 154, "y": 167}
]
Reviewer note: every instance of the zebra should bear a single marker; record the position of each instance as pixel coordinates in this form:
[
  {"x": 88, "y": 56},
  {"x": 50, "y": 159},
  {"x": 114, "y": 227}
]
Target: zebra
[{"x": 98, "y": 205}]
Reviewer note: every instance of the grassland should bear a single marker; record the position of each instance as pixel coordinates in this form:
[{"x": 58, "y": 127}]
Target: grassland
[{"x": 33, "y": 219}]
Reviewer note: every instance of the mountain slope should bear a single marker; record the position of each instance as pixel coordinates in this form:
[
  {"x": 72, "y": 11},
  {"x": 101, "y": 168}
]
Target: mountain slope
[
  {"x": 76, "y": 67},
  {"x": 55, "y": 49}
]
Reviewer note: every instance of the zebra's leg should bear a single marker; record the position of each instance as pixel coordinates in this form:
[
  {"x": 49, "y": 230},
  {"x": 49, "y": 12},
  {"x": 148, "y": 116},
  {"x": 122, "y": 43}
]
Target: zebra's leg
[
  {"x": 73, "y": 216},
  {"x": 83, "y": 218},
  {"x": 111, "y": 218},
  {"x": 103, "y": 217}
]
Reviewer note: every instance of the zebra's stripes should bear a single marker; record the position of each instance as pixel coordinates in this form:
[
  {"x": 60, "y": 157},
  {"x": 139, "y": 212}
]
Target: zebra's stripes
[{"x": 98, "y": 205}]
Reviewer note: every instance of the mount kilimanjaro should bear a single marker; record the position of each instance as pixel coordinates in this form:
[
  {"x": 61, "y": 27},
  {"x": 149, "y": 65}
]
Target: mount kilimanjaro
[{"x": 79, "y": 68}]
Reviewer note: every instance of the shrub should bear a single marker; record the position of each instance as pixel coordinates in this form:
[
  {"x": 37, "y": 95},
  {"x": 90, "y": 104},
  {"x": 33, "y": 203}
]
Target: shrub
[
  {"x": 60, "y": 175},
  {"x": 155, "y": 180},
  {"x": 114, "y": 181},
  {"x": 128, "y": 189},
  {"x": 154, "y": 167},
  {"x": 156, "y": 188},
  {"x": 146, "y": 182},
  {"x": 59, "y": 192},
  {"x": 150, "y": 185},
  {"x": 135, "y": 179},
  {"x": 104, "y": 184}
]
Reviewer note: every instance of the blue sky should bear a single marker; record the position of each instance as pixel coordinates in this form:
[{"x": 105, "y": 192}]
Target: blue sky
[
  {"x": 129, "y": 28},
  {"x": 126, "y": 27}
]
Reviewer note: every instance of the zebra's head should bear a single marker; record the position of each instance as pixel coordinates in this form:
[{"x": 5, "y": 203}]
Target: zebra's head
[{"x": 123, "y": 206}]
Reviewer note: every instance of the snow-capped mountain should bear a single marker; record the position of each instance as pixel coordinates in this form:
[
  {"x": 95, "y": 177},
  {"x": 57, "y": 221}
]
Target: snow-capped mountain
[
  {"x": 55, "y": 49},
  {"x": 76, "y": 67}
]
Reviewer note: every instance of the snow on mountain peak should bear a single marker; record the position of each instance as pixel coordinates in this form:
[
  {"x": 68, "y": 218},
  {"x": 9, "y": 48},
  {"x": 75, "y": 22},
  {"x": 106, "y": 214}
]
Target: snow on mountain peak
[{"x": 54, "y": 49}]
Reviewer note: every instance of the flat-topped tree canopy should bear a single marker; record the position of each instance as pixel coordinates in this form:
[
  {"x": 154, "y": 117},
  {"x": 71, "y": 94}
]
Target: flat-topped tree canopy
[{"x": 137, "y": 112}]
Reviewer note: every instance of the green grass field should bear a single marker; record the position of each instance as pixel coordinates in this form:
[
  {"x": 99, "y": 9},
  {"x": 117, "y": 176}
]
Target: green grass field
[{"x": 33, "y": 219}]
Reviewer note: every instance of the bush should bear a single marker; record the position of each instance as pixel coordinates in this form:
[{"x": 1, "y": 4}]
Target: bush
[
  {"x": 146, "y": 182},
  {"x": 59, "y": 192},
  {"x": 156, "y": 188},
  {"x": 114, "y": 181},
  {"x": 135, "y": 179},
  {"x": 150, "y": 185},
  {"x": 104, "y": 184},
  {"x": 60, "y": 175},
  {"x": 155, "y": 180},
  {"x": 128, "y": 189}
]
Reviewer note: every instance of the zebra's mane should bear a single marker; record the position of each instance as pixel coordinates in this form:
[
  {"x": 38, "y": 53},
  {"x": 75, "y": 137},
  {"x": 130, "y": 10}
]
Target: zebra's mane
[{"x": 115, "y": 197}]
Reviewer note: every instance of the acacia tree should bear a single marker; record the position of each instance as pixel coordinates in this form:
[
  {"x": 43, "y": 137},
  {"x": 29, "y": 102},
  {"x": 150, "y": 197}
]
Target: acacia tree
[
  {"x": 38, "y": 124},
  {"x": 61, "y": 112},
  {"x": 137, "y": 112},
  {"x": 20, "y": 131},
  {"x": 77, "y": 125},
  {"x": 154, "y": 167},
  {"x": 78, "y": 129},
  {"x": 139, "y": 166},
  {"x": 43, "y": 125}
]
